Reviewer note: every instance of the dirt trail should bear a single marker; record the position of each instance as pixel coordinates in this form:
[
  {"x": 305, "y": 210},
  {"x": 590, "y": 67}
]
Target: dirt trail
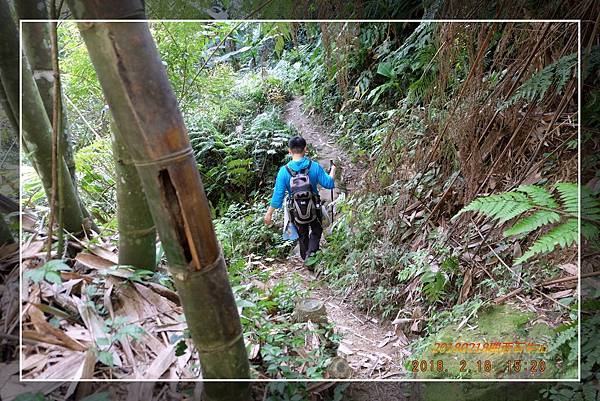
[
  {"x": 372, "y": 349},
  {"x": 318, "y": 134}
]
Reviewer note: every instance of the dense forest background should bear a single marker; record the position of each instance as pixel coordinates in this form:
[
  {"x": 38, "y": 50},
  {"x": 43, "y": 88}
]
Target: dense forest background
[
  {"x": 385, "y": 90},
  {"x": 367, "y": 9}
]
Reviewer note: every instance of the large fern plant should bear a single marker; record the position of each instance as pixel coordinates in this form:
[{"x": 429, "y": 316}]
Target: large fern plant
[
  {"x": 557, "y": 73},
  {"x": 535, "y": 208}
]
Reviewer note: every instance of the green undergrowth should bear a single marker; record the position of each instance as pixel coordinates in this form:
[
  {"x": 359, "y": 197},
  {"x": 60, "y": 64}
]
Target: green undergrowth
[
  {"x": 497, "y": 324},
  {"x": 241, "y": 231},
  {"x": 563, "y": 391},
  {"x": 590, "y": 355},
  {"x": 240, "y": 165},
  {"x": 278, "y": 346},
  {"x": 361, "y": 257},
  {"x": 481, "y": 391}
]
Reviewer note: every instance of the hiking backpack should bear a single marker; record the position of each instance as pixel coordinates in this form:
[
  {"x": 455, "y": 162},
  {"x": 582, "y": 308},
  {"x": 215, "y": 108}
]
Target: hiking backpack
[{"x": 303, "y": 204}]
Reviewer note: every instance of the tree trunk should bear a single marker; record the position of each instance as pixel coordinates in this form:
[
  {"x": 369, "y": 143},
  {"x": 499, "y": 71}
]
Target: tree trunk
[
  {"x": 137, "y": 234},
  {"x": 143, "y": 104},
  {"x": 36, "y": 45},
  {"x": 107, "y": 9}
]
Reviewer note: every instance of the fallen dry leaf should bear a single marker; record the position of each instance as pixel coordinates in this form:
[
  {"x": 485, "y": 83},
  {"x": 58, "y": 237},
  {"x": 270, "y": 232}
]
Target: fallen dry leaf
[
  {"x": 570, "y": 268},
  {"x": 162, "y": 362},
  {"x": 104, "y": 253},
  {"x": 94, "y": 261}
]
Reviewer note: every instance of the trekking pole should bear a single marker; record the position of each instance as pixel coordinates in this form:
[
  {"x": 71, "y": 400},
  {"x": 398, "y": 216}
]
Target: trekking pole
[{"x": 330, "y": 167}]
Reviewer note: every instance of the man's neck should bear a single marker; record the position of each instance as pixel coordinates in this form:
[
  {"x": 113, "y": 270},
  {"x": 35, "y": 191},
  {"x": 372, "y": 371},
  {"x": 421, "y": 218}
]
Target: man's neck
[{"x": 296, "y": 157}]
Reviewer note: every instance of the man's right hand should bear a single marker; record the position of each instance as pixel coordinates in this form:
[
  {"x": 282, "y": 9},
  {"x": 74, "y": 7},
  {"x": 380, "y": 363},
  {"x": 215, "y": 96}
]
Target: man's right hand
[
  {"x": 332, "y": 171},
  {"x": 269, "y": 217}
]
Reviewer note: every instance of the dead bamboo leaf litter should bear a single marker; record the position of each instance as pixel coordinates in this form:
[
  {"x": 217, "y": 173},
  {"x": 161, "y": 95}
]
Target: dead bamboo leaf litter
[{"x": 118, "y": 328}]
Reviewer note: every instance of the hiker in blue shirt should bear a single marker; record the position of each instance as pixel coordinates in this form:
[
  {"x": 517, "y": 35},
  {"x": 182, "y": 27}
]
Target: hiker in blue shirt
[{"x": 300, "y": 178}]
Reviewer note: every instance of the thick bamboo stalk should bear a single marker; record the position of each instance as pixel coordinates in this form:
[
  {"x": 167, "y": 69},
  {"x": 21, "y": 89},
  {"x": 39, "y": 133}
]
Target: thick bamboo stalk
[
  {"x": 137, "y": 234},
  {"x": 36, "y": 125},
  {"x": 37, "y": 48},
  {"x": 143, "y": 104},
  {"x": 9, "y": 63},
  {"x": 12, "y": 120},
  {"x": 37, "y": 138},
  {"x": 5, "y": 234},
  {"x": 36, "y": 45},
  {"x": 56, "y": 201}
]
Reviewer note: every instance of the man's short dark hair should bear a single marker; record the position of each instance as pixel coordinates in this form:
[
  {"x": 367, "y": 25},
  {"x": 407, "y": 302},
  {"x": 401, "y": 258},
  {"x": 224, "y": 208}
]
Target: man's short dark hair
[{"x": 297, "y": 144}]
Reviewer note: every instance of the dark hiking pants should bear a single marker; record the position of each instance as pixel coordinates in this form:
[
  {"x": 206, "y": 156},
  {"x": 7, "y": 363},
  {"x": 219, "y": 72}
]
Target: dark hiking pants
[{"x": 309, "y": 236}]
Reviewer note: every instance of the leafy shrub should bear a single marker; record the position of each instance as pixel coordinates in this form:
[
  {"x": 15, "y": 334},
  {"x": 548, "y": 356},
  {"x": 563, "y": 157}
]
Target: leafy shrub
[
  {"x": 242, "y": 232},
  {"x": 288, "y": 72},
  {"x": 408, "y": 63},
  {"x": 96, "y": 178},
  {"x": 318, "y": 86},
  {"x": 566, "y": 342},
  {"x": 238, "y": 165},
  {"x": 266, "y": 316}
]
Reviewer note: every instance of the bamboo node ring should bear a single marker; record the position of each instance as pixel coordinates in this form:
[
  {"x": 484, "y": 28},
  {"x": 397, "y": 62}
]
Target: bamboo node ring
[
  {"x": 219, "y": 260},
  {"x": 221, "y": 347},
  {"x": 180, "y": 154}
]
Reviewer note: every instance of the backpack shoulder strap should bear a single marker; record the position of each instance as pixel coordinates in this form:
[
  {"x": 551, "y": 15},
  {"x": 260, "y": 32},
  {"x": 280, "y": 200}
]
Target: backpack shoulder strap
[{"x": 292, "y": 172}]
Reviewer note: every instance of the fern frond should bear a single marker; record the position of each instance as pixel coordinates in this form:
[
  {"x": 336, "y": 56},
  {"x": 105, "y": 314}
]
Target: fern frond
[
  {"x": 546, "y": 211},
  {"x": 590, "y": 205},
  {"x": 558, "y": 72},
  {"x": 418, "y": 89},
  {"x": 501, "y": 207},
  {"x": 569, "y": 197},
  {"x": 564, "y": 235},
  {"x": 563, "y": 70},
  {"x": 536, "y": 86},
  {"x": 540, "y": 196},
  {"x": 589, "y": 231},
  {"x": 565, "y": 339},
  {"x": 533, "y": 222}
]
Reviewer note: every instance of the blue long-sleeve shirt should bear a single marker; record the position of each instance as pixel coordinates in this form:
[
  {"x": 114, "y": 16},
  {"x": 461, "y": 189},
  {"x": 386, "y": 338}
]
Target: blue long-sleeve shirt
[{"x": 316, "y": 174}]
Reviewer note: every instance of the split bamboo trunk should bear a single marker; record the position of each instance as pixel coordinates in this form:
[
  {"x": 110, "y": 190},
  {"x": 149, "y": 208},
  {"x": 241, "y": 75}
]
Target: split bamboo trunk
[{"x": 144, "y": 106}]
